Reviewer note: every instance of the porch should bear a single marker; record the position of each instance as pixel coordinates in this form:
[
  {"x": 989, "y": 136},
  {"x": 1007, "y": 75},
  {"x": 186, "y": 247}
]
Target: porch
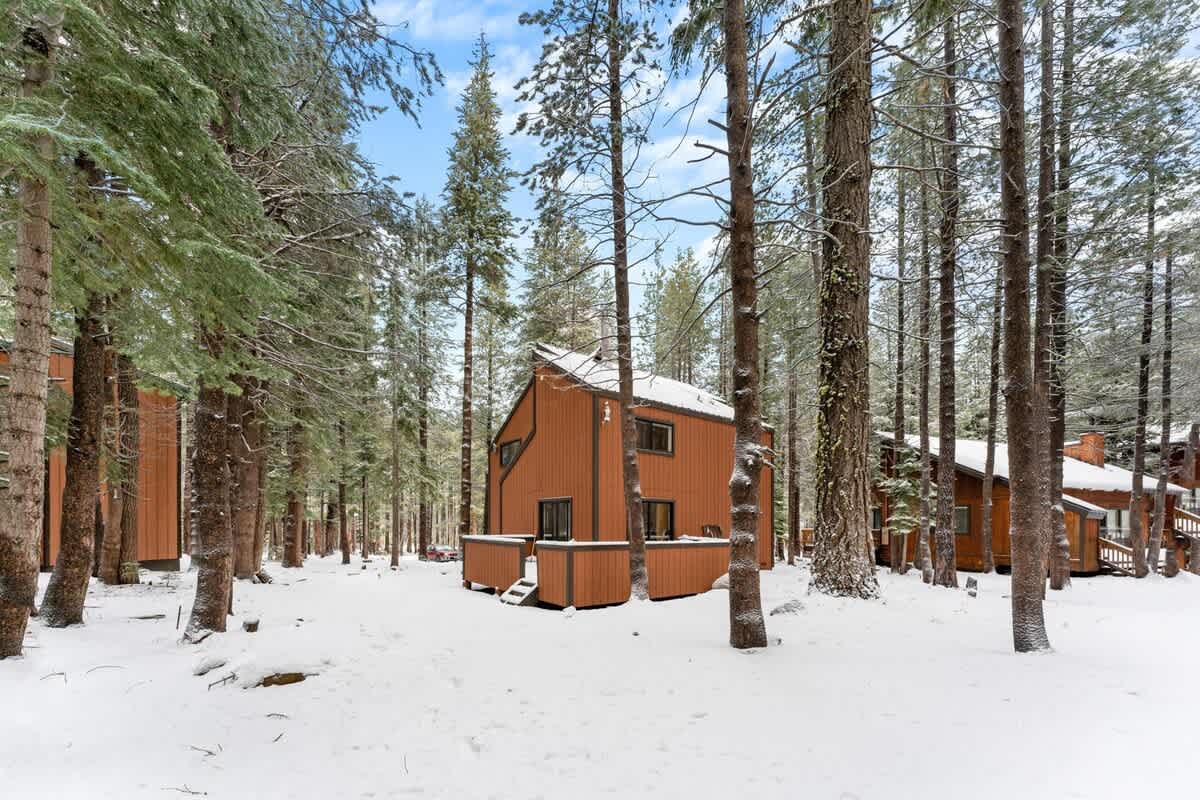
[{"x": 588, "y": 574}]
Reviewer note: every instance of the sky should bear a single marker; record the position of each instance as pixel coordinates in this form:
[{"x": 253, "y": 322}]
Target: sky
[{"x": 417, "y": 153}]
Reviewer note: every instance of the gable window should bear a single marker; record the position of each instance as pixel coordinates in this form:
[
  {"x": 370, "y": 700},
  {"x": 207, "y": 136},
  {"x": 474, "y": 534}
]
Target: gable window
[
  {"x": 658, "y": 520},
  {"x": 962, "y": 520},
  {"x": 554, "y": 519},
  {"x": 508, "y": 452},
  {"x": 655, "y": 437}
]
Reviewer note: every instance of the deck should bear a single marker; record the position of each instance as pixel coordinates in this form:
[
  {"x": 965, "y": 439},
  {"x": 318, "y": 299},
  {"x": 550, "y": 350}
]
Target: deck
[{"x": 592, "y": 574}]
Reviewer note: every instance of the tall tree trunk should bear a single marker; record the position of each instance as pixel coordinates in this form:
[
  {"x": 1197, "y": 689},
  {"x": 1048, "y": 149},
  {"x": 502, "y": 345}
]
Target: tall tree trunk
[
  {"x": 1060, "y": 575},
  {"x": 213, "y": 551},
  {"x": 127, "y": 396},
  {"x": 924, "y": 558},
  {"x": 397, "y": 528},
  {"x": 110, "y": 545},
  {"x": 424, "y": 508},
  {"x": 843, "y": 563},
  {"x": 1023, "y": 406},
  {"x": 993, "y": 412},
  {"x": 331, "y": 518},
  {"x": 245, "y": 449},
  {"x": 746, "y": 625},
  {"x": 639, "y": 583},
  {"x": 899, "y": 541},
  {"x": 63, "y": 602},
  {"x": 945, "y": 570},
  {"x": 464, "y": 506},
  {"x": 260, "y": 512},
  {"x": 293, "y": 531},
  {"x": 343, "y": 526},
  {"x": 366, "y": 523},
  {"x": 1137, "y": 533},
  {"x": 23, "y": 432},
  {"x": 1171, "y": 565},
  {"x": 793, "y": 455},
  {"x": 1057, "y": 547}
]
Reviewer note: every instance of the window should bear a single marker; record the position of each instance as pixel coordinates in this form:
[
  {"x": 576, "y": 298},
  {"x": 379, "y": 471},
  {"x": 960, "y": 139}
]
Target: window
[
  {"x": 655, "y": 437},
  {"x": 1116, "y": 524},
  {"x": 554, "y": 519},
  {"x": 508, "y": 452},
  {"x": 658, "y": 520},
  {"x": 876, "y": 518},
  {"x": 962, "y": 520}
]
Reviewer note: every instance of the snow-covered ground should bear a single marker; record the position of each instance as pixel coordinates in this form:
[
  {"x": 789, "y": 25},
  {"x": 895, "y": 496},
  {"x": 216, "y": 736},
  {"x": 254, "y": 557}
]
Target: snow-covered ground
[{"x": 420, "y": 688}]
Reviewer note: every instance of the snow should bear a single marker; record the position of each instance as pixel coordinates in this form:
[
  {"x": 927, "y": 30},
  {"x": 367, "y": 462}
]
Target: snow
[
  {"x": 419, "y": 688},
  {"x": 971, "y": 454},
  {"x": 603, "y": 376}
]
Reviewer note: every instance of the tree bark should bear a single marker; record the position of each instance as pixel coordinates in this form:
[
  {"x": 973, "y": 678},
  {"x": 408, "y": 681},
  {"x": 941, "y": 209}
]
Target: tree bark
[
  {"x": 1137, "y": 533},
  {"x": 923, "y": 556},
  {"x": 130, "y": 421},
  {"x": 397, "y": 528},
  {"x": 793, "y": 456},
  {"x": 260, "y": 500},
  {"x": 1171, "y": 565},
  {"x": 1058, "y": 547},
  {"x": 993, "y": 413},
  {"x": 366, "y": 523},
  {"x": 246, "y": 449},
  {"x": 63, "y": 602},
  {"x": 843, "y": 563},
  {"x": 213, "y": 551},
  {"x": 945, "y": 571},
  {"x": 746, "y": 625},
  {"x": 899, "y": 541},
  {"x": 23, "y": 432},
  {"x": 639, "y": 583},
  {"x": 293, "y": 531},
  {"x": 1023, "y": 405},
  {"x": 343, "y": 526},
  {"x": 1060, "y": 576},
  {"x": 110, "y": 544},
  {"x": 464, "y": 506}
]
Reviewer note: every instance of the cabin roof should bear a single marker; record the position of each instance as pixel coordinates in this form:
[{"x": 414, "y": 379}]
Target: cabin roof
[
  {"x": 970, "y": 455},
  {"x": 601, "y": 376}
]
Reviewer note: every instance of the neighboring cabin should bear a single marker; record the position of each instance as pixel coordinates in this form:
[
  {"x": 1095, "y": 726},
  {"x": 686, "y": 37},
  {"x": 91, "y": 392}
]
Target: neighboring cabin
[
  {"x": 158, "y": 471},
  {"x": 1096, "y": 499},
  {"x": 555, "y": 472}
]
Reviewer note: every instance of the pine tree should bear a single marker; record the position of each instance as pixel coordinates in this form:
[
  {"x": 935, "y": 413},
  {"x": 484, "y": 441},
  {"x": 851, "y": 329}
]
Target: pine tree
[{"x": 480, "y": 227}]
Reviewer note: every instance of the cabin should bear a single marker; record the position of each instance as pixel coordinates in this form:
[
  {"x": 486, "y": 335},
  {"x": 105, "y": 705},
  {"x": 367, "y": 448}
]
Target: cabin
[
  {"x": 555, "y": 488},
  {"x": 1096, "y": 498},
  {"x": 159, "y": 477},
  {"x": 1184, "y": 453}
]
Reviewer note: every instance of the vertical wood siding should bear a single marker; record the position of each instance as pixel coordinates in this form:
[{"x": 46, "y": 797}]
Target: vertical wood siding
[
  {"x": 552, "y": 577},
  {"x": 498, "y": 564},
  {"x": 158, "y": 473},
  {"x": 676, "y": 570}
]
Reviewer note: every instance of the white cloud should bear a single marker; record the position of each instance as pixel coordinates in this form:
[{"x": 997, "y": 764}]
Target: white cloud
[{"x": 451, "y": 20}]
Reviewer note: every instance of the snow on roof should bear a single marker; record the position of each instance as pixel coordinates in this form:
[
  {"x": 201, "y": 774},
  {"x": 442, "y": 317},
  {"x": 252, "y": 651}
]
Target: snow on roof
[
  {"x": 602, "y": 376},
  {"x": 1179, "y": 433},
  {"x": 970, "y": 454}
]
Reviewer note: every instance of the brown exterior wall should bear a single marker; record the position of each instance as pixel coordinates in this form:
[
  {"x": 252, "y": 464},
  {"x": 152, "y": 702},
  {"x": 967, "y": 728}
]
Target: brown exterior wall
[
  {"x": 681, "y": 568},
  {"x": 158, "y": 473},
  {"x": 498, "y": 564},
  {"x": 565, "y": 430},
  {"x": 1082, "y": 533}
]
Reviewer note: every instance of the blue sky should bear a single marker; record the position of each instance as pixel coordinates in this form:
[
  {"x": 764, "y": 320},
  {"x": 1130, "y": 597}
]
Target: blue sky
[{"x": 450, "y": 28}]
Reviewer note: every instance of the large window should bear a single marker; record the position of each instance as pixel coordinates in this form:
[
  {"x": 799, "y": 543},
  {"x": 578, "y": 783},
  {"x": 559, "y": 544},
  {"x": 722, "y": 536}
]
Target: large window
[
  {"x": 655, "y": 437},
  {"x": 876, "y": 518},
  {"x": 658, "y": 520},
  {"x": 554, "y": 519},
  {"x": 1116, "y": 524},
  {"x": 508, "y": 452},
  {"x": 962, "y": 520}
]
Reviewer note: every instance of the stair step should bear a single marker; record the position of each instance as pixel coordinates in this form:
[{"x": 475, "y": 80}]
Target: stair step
[{"x": 521, "y": 593}]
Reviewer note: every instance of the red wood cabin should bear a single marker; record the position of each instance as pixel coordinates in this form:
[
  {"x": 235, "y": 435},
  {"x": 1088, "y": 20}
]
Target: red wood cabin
[
  {"x": 554, "y": 486},
  {"x": 1096, "y": 499},
  {"x": 159, "y": 487}
]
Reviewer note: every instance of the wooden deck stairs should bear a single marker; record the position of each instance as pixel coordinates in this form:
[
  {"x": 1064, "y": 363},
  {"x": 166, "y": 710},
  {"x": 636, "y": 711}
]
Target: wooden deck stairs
[
  {"x": 522, "y": 593},
  {"x": 1187, "y": 526},
  {"x": 1116, "y": 557}
]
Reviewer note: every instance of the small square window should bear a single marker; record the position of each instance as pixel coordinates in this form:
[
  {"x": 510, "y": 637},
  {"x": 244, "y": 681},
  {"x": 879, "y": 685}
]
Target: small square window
[
  {"x": 962, "y": 520},
  {"x": 508, "y": 452},
  {"x": 655, "y": 437}
]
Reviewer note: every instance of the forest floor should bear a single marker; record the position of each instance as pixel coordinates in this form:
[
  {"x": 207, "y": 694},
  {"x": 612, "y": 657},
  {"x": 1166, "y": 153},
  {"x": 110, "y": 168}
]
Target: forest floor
[{"x": 419, "y": 688}]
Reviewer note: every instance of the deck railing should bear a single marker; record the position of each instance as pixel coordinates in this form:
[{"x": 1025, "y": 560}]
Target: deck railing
[
  {"x": 1116, "y": 554},
  {"x": 495, "y": 561}
]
